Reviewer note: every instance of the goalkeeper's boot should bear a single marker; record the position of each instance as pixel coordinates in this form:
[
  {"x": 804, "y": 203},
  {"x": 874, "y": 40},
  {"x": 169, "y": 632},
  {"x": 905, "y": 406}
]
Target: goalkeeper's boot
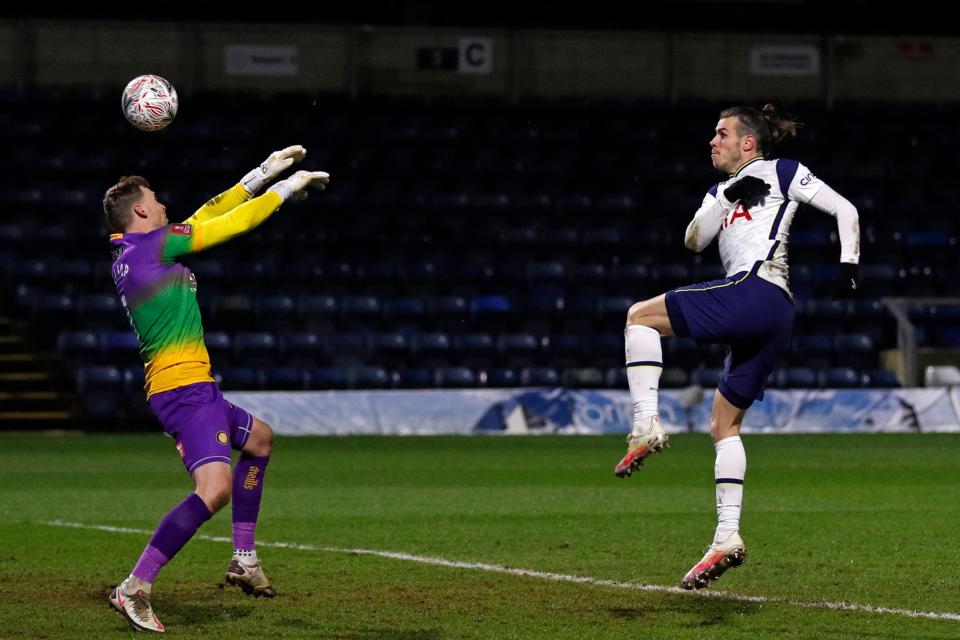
[
  {"x": 136, "y": 609},
  {"x": 249, "y": 577},
  {"x": 719, "y": 557},
  {"x": 641, "y": 446}
]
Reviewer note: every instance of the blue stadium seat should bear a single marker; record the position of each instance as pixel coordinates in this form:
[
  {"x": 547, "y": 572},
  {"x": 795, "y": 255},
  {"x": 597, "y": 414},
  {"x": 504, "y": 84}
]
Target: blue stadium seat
[
  {"x": 283, "y": 378},
  {"x": 101, "y": 311},
  {"x": 255, "y": 348},
  {"x": 616, "y": 378},
  {"x": 101, "y": 390},
  {"x": 500, "y": 378},
  {"x": 238, "y": 378},
  {"x": 797, "y": 378},
  {"x": 323, "y": 378},
  {"x": 839, "y": 378},
  {"x": 416, "y": 378},
  {"x": 390, "y": 347},
  {"x": 708, "y": 377},
  {"x": 276, "y": 312},
  {"x": 406, "y": 310},
  {"x": 539, "y": 377},
  {"x": 232, "y": 311},
  {"x": 879, "y": 378},
  {"x": 120, "y": 347},
  {"x": 370, "y": 378},
  {"x": 82, "y": 346},
  {"x": 302, "y": 348},
  {"x": 583, "y": 378},
  {"x": 456, "y": 377},
  {"x": 449, "y": 307},
  {"x": 346, "y": 348},
  {"x": 363, "y": 310},
  {"x": 219, "y": 346},
  {"x": 518, "y": 349},
  {"x": 318, "y": 311}
]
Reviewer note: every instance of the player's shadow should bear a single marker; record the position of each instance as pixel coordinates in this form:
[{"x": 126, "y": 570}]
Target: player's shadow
[{"x": 702, "y": 612}]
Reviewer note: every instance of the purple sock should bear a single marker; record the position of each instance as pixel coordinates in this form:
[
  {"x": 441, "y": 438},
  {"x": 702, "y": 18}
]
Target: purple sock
[
  {"x": 247, "y": 491},
  {"x": 176, "y": 528}
]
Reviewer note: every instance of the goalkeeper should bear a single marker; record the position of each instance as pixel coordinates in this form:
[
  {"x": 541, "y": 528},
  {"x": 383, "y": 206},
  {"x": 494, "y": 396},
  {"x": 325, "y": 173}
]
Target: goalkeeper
[{"x": 160, "y": 297}]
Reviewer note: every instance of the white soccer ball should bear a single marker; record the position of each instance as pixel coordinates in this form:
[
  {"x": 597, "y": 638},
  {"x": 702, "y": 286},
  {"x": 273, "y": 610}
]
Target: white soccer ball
[{"x": 150, "y": 102}]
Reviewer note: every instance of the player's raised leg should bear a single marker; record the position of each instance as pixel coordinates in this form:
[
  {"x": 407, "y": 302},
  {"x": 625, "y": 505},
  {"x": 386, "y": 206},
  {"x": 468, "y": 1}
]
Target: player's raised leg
[
  {"x": 727, "y": 549},
  {"x": 646, "y": 322},
  {"x": 245, "y": 570}
]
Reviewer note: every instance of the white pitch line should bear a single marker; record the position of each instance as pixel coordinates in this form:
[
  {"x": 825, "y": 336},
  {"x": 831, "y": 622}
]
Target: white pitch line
[{"x": 546, "y": 575}]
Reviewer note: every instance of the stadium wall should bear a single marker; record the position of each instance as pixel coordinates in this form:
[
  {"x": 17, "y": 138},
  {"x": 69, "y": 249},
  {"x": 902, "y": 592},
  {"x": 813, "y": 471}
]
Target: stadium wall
[
  {"x": 477, "y": 62},
  {"x": 543, "y": 410}
]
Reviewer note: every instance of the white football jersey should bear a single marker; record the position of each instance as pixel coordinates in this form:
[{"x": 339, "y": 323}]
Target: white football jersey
[{"x": 756, "y": 236}]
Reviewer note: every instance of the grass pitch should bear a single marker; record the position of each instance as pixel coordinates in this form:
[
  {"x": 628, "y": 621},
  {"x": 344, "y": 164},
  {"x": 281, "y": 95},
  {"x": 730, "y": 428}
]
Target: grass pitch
[{"x": 868, "y": 520}]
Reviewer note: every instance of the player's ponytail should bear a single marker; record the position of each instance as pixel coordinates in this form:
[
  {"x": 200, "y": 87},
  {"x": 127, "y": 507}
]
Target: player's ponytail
[{"x": 767, "y": 125}]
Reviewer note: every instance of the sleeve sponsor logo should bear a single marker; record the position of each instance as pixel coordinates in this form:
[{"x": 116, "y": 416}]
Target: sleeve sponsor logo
[
  {"x": 181, "y": 229},
  {"x": 807, "y": 179}
]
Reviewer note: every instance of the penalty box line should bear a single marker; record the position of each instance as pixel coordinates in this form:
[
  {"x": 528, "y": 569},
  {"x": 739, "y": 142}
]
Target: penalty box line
[{"x": 547, "y": 575}]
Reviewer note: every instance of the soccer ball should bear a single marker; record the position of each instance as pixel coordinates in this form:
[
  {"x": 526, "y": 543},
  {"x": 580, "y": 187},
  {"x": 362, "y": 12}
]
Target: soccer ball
[{"x": 150, "y": 102}]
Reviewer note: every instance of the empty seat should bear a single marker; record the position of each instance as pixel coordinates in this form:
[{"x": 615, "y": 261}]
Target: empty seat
[
  {"x": 283, "y": 378},
  {"x": 238, "y": 378},
  {"x": 456, "y": 377},
  {"x": 797, "y": 378},
  {"x": 370, "y": 378},
  {"x": 500, "y": 377},
  {"x": 324, "y": 378},
  {"x": 839, "y": 378}
]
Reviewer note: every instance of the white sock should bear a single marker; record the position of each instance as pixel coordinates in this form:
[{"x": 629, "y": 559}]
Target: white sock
[
  {"x": 134, "y": 584},
  {"x": 644, "y": 366},
  {"x": 729, "y": 471},
  {"x": 249, "y": 556}
]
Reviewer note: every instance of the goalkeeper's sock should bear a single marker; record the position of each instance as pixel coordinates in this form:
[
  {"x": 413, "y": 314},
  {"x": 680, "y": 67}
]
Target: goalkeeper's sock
[
  {"x": 729, "y": 471},
  {"x": 176, "y": 528},
  {"x": 247, "y": 491},
  {"x": 644, "y": 366}
]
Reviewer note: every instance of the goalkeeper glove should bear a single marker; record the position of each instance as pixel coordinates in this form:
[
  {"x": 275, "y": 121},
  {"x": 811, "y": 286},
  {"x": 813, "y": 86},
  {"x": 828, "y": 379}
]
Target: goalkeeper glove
[
  {"x": 295, "y": 186},
  {"x": 847, "y": 281},
  {"x": 746, "y": 188},
  {"x": 274, "y": 165}
]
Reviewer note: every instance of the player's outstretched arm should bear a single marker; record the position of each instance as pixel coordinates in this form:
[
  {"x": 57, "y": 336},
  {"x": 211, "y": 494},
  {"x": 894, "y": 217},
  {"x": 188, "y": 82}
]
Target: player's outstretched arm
[
  {"x": 275, "y": 164},
  {"x": 295, "y": 187}
]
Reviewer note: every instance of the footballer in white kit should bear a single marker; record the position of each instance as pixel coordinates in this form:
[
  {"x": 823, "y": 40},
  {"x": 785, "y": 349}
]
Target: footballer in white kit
[{"x": 751, "y": 309}]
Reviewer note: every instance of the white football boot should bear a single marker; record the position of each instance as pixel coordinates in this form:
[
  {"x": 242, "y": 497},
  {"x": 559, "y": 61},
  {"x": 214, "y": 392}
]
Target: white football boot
[
  {"x": 718, "y": 558},
  {"x": 641, "y": 446},
  {"x": 136, "y": 609},
  {"x": 250, "y": 578}
]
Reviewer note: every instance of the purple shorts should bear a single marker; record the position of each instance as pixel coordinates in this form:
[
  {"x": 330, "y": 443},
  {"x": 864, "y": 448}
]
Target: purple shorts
[
  {"x": 204, "y": 425},
  {"x": 753, "y": 316}
]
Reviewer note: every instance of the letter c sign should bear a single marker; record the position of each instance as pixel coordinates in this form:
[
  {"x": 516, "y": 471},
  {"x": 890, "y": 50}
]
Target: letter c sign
[{"x": 476, "y": 55}]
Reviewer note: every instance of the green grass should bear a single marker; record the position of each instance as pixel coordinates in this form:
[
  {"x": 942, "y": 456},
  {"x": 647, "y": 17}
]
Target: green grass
[{"x": 864, "y": 519}]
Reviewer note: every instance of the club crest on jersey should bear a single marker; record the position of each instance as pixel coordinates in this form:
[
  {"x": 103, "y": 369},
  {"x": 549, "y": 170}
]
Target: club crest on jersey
[
  {"x": 182, "y": 229},
  {"x": 739, "y": 212},
  {"x": 222, "y": 437}
]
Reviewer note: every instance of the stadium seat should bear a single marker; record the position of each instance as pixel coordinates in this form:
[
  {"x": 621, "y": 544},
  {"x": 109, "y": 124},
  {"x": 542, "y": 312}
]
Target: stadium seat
[
  {"x": 101, "y": 391},
  {"x": 346, "y": 348},
  {"x": 283, "y": 378},
  {"x": 839, "y": 378},
  {"x": 797, "y": 378},
  {"x": 518, "y": 349},
  {"x": 238, "y": 378},
  {"x": 326, "y": 378},
  {"x": 456, "y": 377},
  {"x": 369, "y": 378},
  {"x": 582, "y": 378},
  {"x": 101, "y": 311},
  {"x": 415, "y": 378},
  {"x": 539, "y": 377},
  {"x": 879, "y": 378},
  {"x": 78, "y": 346},
  {"x": 256, "y": 348}
]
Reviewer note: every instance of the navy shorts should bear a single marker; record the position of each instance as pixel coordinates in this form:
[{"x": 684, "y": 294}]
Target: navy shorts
[
  {"x": 753, "y": 316},
  {"x": 204, "y": 425}
]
